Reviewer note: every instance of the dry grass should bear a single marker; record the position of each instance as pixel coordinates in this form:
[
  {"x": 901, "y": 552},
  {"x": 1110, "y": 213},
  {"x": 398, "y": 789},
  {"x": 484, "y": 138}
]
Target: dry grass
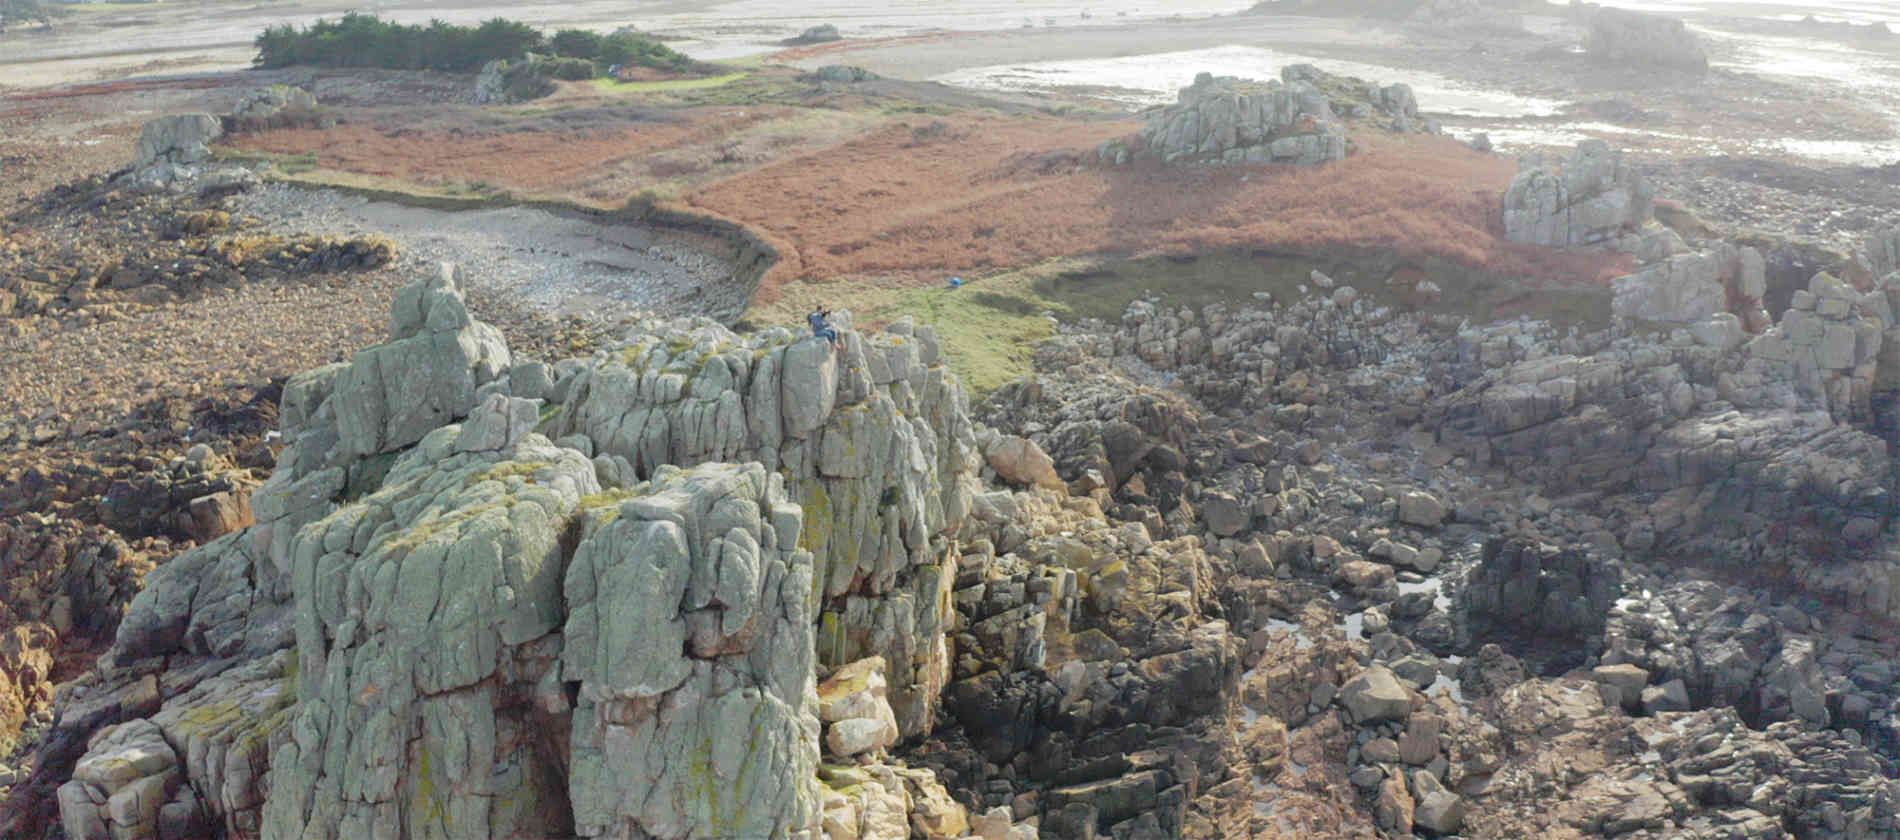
[
  {"x": 600, "y": 151},
  {"x": 1003, "y": 193},
  {"x": 865, "y": 197},
  {"x": 530, "y": 152}
]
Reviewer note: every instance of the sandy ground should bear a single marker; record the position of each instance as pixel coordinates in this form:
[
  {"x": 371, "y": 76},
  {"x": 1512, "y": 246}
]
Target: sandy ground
[{"x": 555, "y": 264}]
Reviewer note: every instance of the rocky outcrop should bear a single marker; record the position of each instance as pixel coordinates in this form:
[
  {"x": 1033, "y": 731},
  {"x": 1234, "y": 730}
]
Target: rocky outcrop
[
  {"x": 874, "y": 443},
  {"x": 1638, "y": 39},
  {"x": 1539, "y": 600},
  {"x": 447, "y": 623},
  {"x": 1288, "y": 563},
  {"x": 392, "y": 394},
  {"x": 820, "y": 34},
  {"x": 1590, "y": 199},
  {"x": 181, "y": 140},
  {"x": 63, "y": 589},
  {"x": 275, "y": 107},
  {"x": 1683, "y": 289},
  {"x": 1297, "y": 119},
  {"x": 1879, "y": 254},
  {"x": 172, "y": 150}
]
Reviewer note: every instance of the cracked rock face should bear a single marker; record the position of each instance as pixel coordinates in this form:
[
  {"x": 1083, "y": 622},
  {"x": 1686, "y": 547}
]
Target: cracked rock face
[
  {"x": 467, "y": 629},
  {"x": 1295, "y": 119},
  {"x": 1587, "y": 200}
]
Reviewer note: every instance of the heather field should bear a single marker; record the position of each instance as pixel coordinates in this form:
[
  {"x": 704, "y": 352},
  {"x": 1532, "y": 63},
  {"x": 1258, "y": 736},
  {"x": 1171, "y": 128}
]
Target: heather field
[{"x": 876, "y": 196}]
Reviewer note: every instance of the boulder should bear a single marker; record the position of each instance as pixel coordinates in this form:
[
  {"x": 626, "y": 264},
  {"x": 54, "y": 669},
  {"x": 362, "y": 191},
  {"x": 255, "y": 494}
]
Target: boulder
[
  {"x": 854, "y": 706},
  {"x": 1440, "y": 812},
  {"x": 1375, "y": 695},
  {"x": 180, "y": 139},
  {"x": 1628, "y": 681},
  {"x": 820, "y": 34},
  {"x": 1225, "y": 515},
  {"x": 276, "y": 106},
  {"x": 1394, "y": 807},
  {"x": 1683, "y": 289},
  {"x": 1420, "y": 508},
  {"x": 127, "y": 774},
  {"x": 212, "y": 516},
  {"x": 842, "y": 74},
  {"x": 1589, "y": 200},
  {"x": 1020, "y": 461},
  {"x": 1630, "y": 39}
]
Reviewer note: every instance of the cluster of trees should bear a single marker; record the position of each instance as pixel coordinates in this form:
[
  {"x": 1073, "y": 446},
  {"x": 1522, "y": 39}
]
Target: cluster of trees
[
  {"x": 625, "y": 48},
  {"x": 369, "y": 41},
  {"x": 359, "y": 40}
]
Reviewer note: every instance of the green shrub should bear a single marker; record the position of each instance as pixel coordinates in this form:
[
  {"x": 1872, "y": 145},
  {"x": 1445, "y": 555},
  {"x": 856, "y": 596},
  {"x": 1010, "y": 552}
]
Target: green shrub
[
  {"x": 575, "y": 43},
  {"x": 571, "y": 69},
  {"x": 359, "y": 40},
  {"x": 525, "y": 80},
  {"x": 635, "y": 49}
]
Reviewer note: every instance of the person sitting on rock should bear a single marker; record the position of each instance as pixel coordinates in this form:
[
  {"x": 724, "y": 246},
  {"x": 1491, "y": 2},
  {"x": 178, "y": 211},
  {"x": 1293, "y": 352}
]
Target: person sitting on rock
[{"x": 821, "y": 329}]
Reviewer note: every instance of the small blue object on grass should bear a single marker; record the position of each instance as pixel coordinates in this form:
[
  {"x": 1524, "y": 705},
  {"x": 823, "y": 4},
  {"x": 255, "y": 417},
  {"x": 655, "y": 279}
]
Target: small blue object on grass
[{"x": 956, "y": 282}]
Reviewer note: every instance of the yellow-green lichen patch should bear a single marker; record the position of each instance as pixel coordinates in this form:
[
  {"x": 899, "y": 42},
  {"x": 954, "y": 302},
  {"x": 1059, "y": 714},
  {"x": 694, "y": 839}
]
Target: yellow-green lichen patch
[{"x": 523, "y": 470}]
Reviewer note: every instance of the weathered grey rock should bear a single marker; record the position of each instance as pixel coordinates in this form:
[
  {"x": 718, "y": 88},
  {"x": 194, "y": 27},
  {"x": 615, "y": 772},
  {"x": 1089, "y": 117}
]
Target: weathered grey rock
[
  {"x": 1683, "y": 289},
  {"x": 1417, "y": 507},
  {"x": 1525, "y": 590},
  {"x": 1226, "y": 515},
  {"x": 1020, "y": 461},
  {"x": 853, "y": 702},
  {"x": 1375, "y": 695},
  {"x": 439, "y": 595},
  {"x": 1230, "y": 120},
  {"x": 876, "y": 445},
  {"x": 842, "y": 74},
  {"x": 180, "y": 139},
  {"x": 118, "y": 787},
  {"x": 1626, "y": 38},
  {"x": 490, "y": 87},
  {"x": 498, "y": 424},
  {"x": 704, "y": 560},
  {"x": 267, "y": 102},
  {"x": 1588, "y": 201},
  {"x": 425, "y": 377},
  {"x": 1440, "y": 812},
  {"x": 1722, "y": 331},
  {"x": 225, "y": 727},
  {"x": 822, "y": 33}
]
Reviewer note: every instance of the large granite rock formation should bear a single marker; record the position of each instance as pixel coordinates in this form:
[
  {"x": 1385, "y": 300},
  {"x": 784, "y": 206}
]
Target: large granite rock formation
[
  {"x": 1589, "y": 199},
  {"x": 1296, "y": 119},
  {"x": 1638, "y": 39},
  {"x": 171, "y": 150},
  {"x": 182, "y": 140},
  {"x": 448, "y": 624},
  {"x": 873, "y": 441}
]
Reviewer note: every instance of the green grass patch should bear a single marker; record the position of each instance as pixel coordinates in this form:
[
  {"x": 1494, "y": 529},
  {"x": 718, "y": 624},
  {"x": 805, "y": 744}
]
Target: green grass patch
[
  {"x": 613, "y": 86},
  {"x": 989, "y": 328}
]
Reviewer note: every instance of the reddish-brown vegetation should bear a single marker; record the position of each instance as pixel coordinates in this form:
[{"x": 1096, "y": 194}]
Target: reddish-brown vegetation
[
  {"x": 911, "y": 201},
  {"x": 563, "y": 153},
  {"x": 1011, "y": 192}
]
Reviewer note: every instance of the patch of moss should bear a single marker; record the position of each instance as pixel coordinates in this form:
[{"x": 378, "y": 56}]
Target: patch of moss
[{"x": 505, "y": 470}]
